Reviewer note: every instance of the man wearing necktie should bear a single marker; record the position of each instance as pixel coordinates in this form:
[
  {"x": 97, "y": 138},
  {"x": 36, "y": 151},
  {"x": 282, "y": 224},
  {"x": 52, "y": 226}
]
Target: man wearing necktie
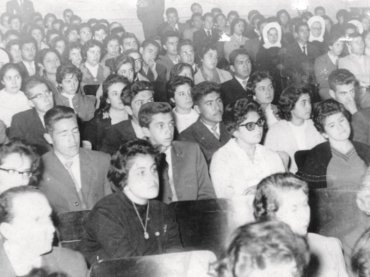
[{"x": 74, "y": 178}]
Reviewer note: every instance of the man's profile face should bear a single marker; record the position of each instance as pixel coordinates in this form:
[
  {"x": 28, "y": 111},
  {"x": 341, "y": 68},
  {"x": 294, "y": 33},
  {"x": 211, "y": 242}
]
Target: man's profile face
[
  {"x": 31, "y": 228},
  {"x": 65, "y": 137},
  {"x": 345, "y": 94}
]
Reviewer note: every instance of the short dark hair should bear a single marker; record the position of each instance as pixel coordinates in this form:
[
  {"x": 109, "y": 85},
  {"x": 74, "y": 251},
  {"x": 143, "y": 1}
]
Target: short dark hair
[
  {"x": 184, "y": 42},
  {"x": 6, "y": 201},
  {"x": 235, "y": 53},
  {"x": 177, "y": 68},
  {"x": 33, "y": 81},
  {"x": 111, "y": 38},
  {"x": 90, "y": 44},
  {"x": 42, "y": 54},
  {"x": 342, "y": 13},
  {"x": 119, "y": 165},
  {"x": 255, "y": 78},
  {"x": 341, "y": 76},
  {"x": 108, "y": 82},
  {"x": 6, "y": 67},
  {"x": 236, "y": 21},
  {"x": 288, "y": 99},
  {"x": 236, "y": 112},
  {"x": 148, "y": 42},
  {"x": 205, "y": 48},
  {"x": 65, "y": 69},
  {"x": 148, "y": 110},
  {"x": 98, "y": 27},
  {"x": 121, "y": 60},
  {"x": 334, "y": 37},
  {"x": 167, "y": 35},
  {"x": 204, "y": 88},
  {"x": 258, "y": 244},
  {"x": 175, "y": 82},
  {"x": 299, "y": 24},
  {"x": 266, "y": 201},
  {"x": 171, "y": 10},
  {"x": 194, "y": 15},
  {"x": 325, "y": 109},
  {"x": 137, "y": 87},
  {"x": 56, "y": 114},
  {"x": 28, "y": 39},
  {"x": 360, "y": 257}
]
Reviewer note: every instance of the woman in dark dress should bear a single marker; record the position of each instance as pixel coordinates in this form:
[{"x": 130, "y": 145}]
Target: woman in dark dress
[
  {"x": 119, "y": 226},
  {"x": 112, "y": 110}
]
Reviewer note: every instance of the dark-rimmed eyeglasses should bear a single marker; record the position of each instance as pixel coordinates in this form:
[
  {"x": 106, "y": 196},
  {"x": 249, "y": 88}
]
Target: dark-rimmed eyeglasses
[
  {"x": 252, "y": 125},
  {"x": 24, "y": 174},
  {"x": 41, "y": 95}
]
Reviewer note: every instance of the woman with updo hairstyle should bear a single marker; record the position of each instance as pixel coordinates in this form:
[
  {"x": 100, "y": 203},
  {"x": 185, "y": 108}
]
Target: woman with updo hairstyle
[
  {"x": 118, "y": 226},
  {"x": 20, "y": 165},
  {"x": 243, "y": 162},
  {"x": 284, "y": 197},
  {"x": 93, "y": 72},
  {"x": 208, "y": 70},
  {"x": 295, "y": 131},
  {"x": 338, "y": 163},
  {"x": 112, "y": 110}
]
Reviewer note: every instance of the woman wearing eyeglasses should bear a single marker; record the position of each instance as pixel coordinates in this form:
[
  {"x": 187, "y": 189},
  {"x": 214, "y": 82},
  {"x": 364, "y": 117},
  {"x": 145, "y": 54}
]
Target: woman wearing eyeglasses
[
  {"x": 243, "y": 162},
  {"x": 19, "y": 165}
]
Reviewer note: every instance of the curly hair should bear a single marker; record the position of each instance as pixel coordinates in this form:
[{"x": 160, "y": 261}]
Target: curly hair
[
  {"x": 360, "y": 258},
  {"x": 175, "y": 82},
  {"x": 288, "y": 99},
  {"x": 23, "y": 149},
  {"x": 204, "y": 88},
  {"x": 325, "y": 109},
  {"x": 236, "y": 112},
  {"x": 255, "y": 78},
  {"x": 256, "y": 245},
  {"x": 66, "y": 69},
  {"x": 119, "y": 165},
  {"x": 266, "y": 201}
]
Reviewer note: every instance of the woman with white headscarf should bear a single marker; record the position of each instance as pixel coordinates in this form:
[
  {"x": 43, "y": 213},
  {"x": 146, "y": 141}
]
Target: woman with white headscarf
[
  {"x": 269, "y": 57},
  {"x": 317, "y": 32}
]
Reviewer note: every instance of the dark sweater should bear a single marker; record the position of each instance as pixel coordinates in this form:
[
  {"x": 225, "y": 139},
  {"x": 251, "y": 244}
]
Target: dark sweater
[{"x": 113, "y": 229}]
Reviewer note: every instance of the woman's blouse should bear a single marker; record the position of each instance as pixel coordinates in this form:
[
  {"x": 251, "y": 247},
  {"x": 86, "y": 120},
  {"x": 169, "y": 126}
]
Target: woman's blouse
[
  {"x": 113, "y": 229},
  {"x": 11, "y": 104},
  {"x": 89, "y": 79},
  {"x": 221, "y": 76},
  {"x": 233, "y": 172},
  {"x": 183, "y": 121}
]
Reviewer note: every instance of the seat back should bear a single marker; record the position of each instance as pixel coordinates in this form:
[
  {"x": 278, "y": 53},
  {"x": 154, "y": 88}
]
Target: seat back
[
  {"x": 70, "y": 228},
  {"x": 184, "y": 264},
  {"x": 202, "y": 223}
]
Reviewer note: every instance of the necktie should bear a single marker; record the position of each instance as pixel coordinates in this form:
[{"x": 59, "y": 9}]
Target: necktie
[
  {"x": 168, "y": 188},
  {"x": 304, "y": 50},
  {"x": 244, "y": 84},
  {"x": 68, "y": 166},
  {"x": 150, "y": 75},
  {"x": 208, "y": 33},
  {"x": 215, "y": 132}
]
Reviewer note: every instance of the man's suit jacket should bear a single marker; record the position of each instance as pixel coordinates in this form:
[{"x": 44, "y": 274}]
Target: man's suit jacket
[
  {"x": 167, "y": 63},
  {"x": 165, "y": 27},
  {"x": 199, "y": 133},
  {"x": 61, "y": 260},
  {"x": 190, "y": 174},
  {"x": 160, "y": 89},
  {"x": 296, "y": 62},
  {"x": 60, "y": 189},
  {"x": 232, "y": 90},
  {"x": 361, "y": 69},
  {"x": 323, "y": 67},
  {"x": 24, "y": 72},
  {"x": 27, "y": 126},
  {"x": 117, "y": 135},
  {"x": 25, "y": 11}
]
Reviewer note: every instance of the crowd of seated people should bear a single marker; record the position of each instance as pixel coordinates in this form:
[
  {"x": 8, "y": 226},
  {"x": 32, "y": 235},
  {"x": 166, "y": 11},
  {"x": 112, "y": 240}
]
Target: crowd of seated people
[{"x": 260, "y": 109}]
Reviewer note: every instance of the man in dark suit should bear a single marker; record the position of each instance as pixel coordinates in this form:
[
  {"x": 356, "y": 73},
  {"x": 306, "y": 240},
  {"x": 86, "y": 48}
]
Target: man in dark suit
[
  {"x": 236, "y": 88},
  {"x": 28, "y": 66},
  {"x": 300, "y": 55},
  {"x": 29, "y": 125},
  {"x": 205, "y": 36},
  {"x": 156, "y": 73},
  {"x": 141, "y": 92},
  {"x": 23, "y": 8},
  {"x": 27, "y": 233},
  {"x": 150, "y": 13},
  {"x": 208, "y": 131},
  {"x": 74, "y": 178},
  {"x": 184, "y": 174},
  {"x": 172, "y": 24}
]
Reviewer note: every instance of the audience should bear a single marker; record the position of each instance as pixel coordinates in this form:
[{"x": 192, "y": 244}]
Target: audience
[{"x": 130, "y": 222}]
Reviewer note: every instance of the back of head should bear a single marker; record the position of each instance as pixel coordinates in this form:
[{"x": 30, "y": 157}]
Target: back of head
[{"x": 258, "y": 246}]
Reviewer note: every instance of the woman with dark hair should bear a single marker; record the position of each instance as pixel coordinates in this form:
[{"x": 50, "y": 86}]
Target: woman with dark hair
[
  {"x": 283, "y": 18},
  {"x": 93, "y": 72},
  {"x": 59, "y": 43},
  {"x": 182, "y": 69},
  {"x": 284, "y": 197},
  {"x": 119, "y": 226},
  {"x": 296, "y": 130},
  {"x": 338, "y": 162},
  {"x": 208, "y": 70},
  {"x": 260, "y": 84},
  {"x": 48, "y": 61},
  {"x": 243, "y": 162},
  {"x": 112, "y": 49},
  {"x": 237, "y": 38},
  {"x": 20, "y": 165},
  {"x": 69, "y": 81},
  {"x": 74, "y": 54},
  {"x": 112, "y": 110}
]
